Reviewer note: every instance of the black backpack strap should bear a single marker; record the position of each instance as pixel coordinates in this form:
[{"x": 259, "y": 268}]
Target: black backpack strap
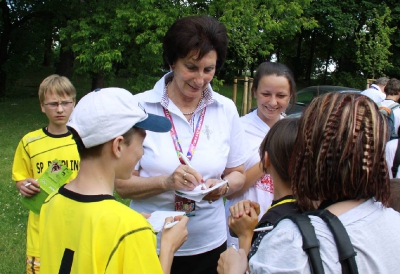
[
  {"x": 345, "y": 248},
  {"x": 396, "y": 160},
  {"x": 310, "y": 241}
]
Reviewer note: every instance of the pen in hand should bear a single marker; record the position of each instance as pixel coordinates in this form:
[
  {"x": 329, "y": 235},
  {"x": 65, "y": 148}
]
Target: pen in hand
[
  {"x": 170, "y": 224},
  {"x": 187, "y": 162}
]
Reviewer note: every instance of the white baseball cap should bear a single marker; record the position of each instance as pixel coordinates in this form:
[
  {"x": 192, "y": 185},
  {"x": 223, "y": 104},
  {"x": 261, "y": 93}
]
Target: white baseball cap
[{"x": 104, "y": 114}]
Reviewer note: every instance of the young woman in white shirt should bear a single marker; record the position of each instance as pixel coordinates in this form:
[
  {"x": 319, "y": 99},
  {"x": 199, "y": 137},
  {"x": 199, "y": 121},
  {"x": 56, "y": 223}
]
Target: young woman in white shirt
[{"x": 273, "y": 88}]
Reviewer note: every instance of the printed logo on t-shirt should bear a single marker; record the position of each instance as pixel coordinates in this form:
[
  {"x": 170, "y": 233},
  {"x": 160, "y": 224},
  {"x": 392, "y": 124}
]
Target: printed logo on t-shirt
[
  {"x": 71, "y": 164},
  {"x": 207, "y": 131},
  {"x": 265, "y": 183}
]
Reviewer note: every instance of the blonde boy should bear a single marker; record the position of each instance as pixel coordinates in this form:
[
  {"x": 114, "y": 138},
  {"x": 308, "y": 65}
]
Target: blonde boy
[{"x": 39, "y": 148}]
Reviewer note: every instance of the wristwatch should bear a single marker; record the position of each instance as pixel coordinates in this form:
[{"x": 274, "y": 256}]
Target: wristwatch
[{"x": 226, "y": 189}]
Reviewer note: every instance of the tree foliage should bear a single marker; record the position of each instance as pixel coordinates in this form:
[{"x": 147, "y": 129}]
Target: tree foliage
[
  {"x": 102, "y": 38},
  {"x": 254, "y": 26},
  {"x": 373, "y": 43}
]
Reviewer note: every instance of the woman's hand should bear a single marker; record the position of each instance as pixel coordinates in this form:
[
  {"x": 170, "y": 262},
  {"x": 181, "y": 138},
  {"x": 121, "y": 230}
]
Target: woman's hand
[
  {"x": 183, "y": 177},
  {"x": 216, "y": 193},
  {"x": 232, "y": 261},
  {"x": 28, "y": 187}
]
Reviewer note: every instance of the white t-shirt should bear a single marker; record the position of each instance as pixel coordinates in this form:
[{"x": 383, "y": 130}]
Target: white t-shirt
[
  {"x": 374, "y": 93},
  {"x": 396, "y": 112},
  {"x": 373, "y": 231},
  {"x": 262, "y": 191},
  {"x": 391, "y": 148},
  {"x": 221, "y": 145}
]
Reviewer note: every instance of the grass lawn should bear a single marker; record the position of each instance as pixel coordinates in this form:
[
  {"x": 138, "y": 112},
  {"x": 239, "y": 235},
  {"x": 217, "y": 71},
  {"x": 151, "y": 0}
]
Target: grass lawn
[
  {"x": 17, "y": 117},
  {"x": 20, "y": 114}
]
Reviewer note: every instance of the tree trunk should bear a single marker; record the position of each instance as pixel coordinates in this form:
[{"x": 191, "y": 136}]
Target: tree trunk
[
  {"x": 328, "y": 57},
  {"x": 3, "y": 84},
  {"x": 4, "y": 42},
  {"x": 297, "y": 61},
  {"x": 310, "y": 58},
  {"x": 66, "y": 63},
  {"x": 47, "y": 57},
  {"x": 278, "y": 52},
  {"x": 98, "y": 80},
  {"x": 252, "y": 69}
]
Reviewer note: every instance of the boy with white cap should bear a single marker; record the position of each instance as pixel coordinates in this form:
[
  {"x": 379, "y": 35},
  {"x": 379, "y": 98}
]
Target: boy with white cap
[{"x": 83, "y": 229}]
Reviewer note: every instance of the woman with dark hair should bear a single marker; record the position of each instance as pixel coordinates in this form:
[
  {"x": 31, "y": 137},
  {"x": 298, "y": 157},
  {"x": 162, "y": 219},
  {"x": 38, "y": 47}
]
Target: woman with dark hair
[
  {"x": 273, "y": 87},
  {"x": 206, "y": 129},
  {"x": 338, "y": 164}
]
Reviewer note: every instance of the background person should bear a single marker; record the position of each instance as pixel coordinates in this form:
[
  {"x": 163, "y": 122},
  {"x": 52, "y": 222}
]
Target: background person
[
  {"x": 392, "y": 91},
  {"x": 376, "y": 91},
  {"x": 391, "y": 148},
  {"x": 206, "y": 128},
  {"x": 341, "y": 165},
  {"x": 394, "y": 201},
  {"x": 37, "y": 149},
  {"x": 273, "y": 87},
  {"x": 83, "y": 229}
]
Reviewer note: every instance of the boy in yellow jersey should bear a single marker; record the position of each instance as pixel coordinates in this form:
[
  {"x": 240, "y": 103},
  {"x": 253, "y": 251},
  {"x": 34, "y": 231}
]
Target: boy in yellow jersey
[
  {"x": 39, "y": 148},
  {"x": 83, "y": 229}
]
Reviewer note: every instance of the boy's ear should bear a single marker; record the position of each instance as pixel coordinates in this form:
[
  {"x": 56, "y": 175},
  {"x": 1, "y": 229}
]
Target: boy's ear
[
  {"x": 117, "y": 146},
  {"x": 42, "y": 108}
]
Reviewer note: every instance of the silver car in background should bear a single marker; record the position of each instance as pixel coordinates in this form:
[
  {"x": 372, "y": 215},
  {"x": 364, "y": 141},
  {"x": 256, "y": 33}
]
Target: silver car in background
[{"x": 306, "y": 95}]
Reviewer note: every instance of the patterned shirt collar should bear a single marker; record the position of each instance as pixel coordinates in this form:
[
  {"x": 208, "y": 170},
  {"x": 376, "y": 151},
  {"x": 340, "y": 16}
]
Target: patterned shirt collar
[{"x": 206, "y": 100}]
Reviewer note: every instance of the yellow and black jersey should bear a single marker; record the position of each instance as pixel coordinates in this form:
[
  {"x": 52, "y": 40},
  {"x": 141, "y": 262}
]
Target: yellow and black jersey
[
  {"x": 94, "y": 234},
  {"x": 34, "y": 154},
  {"x": 38, "y": 149}
]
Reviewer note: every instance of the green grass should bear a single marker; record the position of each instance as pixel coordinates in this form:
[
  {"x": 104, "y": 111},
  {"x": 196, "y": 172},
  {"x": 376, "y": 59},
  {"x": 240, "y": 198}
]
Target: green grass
[{"x": 19, "y": 114}]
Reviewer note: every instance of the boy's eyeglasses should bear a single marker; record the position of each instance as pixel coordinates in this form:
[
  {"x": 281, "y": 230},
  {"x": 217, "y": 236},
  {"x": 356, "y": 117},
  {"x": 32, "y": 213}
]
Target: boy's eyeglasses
[{"x": 64, "y": 104}]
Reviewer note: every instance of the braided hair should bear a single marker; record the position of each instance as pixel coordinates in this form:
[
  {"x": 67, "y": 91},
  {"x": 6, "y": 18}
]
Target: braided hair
[{"x": 339, "y": 153}]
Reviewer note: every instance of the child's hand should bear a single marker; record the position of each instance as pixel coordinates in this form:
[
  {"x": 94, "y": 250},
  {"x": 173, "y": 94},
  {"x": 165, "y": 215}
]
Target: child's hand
[
  {"x": 232, "y": 261},
  {"x": 244, "y": 225},
  {"x": 28, "y": 187},
  {"x": 146, "y": 215},
  {"x": 172, "y": 238},
  {"x": 243, "y": 207}
]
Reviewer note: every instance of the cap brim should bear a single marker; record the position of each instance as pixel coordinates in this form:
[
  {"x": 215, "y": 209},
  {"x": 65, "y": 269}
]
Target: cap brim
[{"x": 155, "y": 123}]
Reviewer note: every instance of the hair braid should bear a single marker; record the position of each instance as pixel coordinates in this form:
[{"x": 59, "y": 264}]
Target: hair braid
[{"x": 339, "y": 151}]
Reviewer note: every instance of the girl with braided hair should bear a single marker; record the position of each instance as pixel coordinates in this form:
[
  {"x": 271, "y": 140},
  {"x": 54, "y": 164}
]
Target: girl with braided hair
[{"x": 338, "y": 163}]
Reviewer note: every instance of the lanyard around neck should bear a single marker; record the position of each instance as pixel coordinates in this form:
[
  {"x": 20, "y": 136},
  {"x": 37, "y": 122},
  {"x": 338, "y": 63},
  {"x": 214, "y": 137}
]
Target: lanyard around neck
[
  {"x": 285, "y": 201},
  {"x": 195, "y": 139}
]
